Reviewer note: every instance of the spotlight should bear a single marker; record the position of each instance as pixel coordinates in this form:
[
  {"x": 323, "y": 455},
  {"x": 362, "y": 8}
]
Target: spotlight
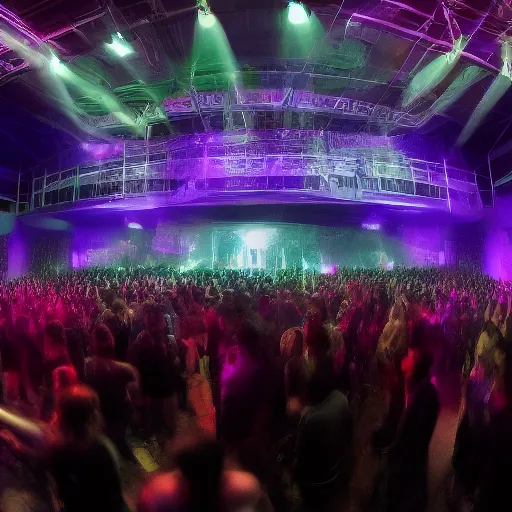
[
  {"x": 56, "y": 65},
  {"x": 119, "y": 45},
  {"x": 297, "y": 14},
  {"x": 206, "y": 18},
  {"x": 134, "y": 225}
]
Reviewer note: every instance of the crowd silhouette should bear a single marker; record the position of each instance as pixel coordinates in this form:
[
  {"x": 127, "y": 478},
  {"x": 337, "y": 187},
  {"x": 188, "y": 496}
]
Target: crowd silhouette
[{"x": 270, "y": 372}]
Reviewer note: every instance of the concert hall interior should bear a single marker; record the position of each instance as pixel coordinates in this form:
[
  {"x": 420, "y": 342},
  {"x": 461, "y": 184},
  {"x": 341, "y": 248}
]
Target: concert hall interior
[{"x": 179, "y": 153}]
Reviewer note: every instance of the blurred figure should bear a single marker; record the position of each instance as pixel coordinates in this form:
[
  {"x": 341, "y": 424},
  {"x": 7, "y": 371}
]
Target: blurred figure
[
  {"x": 110, "y": 380},
  {"x": 496, "y": 470},
  {"x": 201, "y": 483},
  {"x": 323, "y": 450},
  {"x": 406, "y": 464},
  {"x": 156, "y": 360},
  {"x": 55, "y": 355},
  {"x": 82, "y": 462}
]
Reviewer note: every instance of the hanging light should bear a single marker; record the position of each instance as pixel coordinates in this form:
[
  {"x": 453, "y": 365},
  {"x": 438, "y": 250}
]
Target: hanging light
[
  {"x": 119, "y": 45},
  {"x": 434, "y": 73},
  {"x": 297, "y": 14},
  {"x": 496, "y": 91},
  {"x": 204, "y": 15}
]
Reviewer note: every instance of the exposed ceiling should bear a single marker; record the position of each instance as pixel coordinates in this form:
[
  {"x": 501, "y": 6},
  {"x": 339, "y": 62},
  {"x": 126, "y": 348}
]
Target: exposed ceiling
[{"x": 366, "y": 51}]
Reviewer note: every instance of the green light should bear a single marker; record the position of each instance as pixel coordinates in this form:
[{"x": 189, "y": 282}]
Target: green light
[
  {"x": 119, "y": 45},
  {"x": 56, "y": 65},
  {"x": 206, "y": 19},
  {"x": 297, "y": 14}
]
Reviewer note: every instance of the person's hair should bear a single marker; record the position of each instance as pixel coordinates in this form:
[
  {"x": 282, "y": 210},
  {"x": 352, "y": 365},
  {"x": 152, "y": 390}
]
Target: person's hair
[
  {"x": 200, "y": 459},
  {"x": 56, "y": 332},
  {"x": 64, "y": 377},
  {"x": 102, "y": 342},
  {"x": 77, "y": 411},
  {"x": 118, "y": 306},
  {"x": 298, "y": 344},
  {"x": 249, "y": 337},
  {"x": 423, "y": 362},
  {"x": 317, "y": 340}
]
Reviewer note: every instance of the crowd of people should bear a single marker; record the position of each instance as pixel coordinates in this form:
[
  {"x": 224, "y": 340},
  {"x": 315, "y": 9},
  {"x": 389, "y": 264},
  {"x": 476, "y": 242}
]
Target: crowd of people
[{"x": 271, "y": 371}]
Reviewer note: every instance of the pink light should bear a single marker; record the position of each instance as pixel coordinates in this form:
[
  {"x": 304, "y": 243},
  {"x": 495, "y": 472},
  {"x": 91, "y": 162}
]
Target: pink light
[{"x": 328, "y": 269}]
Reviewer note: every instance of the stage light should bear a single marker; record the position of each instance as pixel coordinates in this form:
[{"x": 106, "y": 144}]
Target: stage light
[
  {"x": 204, "y": 15},
  {"x": 371, "y": 227},
  {"x": 434, "y": 73},
  {"x": 496, "y": 91},
  {"x": 134, "y": 225},
  {"x": 56, "y": 65},
  {"x": 119, "y": 45},
  {"x": 258, "y": 238},
  {"x": 297, "y": 14}
]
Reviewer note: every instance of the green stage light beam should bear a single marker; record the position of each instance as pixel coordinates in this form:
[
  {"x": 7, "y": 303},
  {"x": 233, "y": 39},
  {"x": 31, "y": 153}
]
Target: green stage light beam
[
  {"x": 119, "y": 45},
  {"x": 300, "y": 41},
  {"x": 496, "y": 91},
  {"x": 434, "y": 73},
  {"x": 212, "y": 53}
]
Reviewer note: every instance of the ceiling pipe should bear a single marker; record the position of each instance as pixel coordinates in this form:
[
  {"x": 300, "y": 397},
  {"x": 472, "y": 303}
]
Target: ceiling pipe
[
  {"x": 406, "y": 7},
  {"x": 424, "y": 37},
  {"x": 73, "y": 26}
]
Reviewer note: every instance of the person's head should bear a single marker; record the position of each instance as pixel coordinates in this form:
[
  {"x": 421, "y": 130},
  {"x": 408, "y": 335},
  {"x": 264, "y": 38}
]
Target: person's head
[
  {"x": 102, "y": 342},
  {"x": 119, "y": 308},
  {"x": 249, "y": 339},
  {"x": 54, "y": 338},
  {"x": 78, "y": 413},
  {"x": 200, "y": 483},
  {"x": 64, "y": 377},
  {"x": 416, "y": 365},
  {"x": 292, "y": 343},
  {"x": 154, "y": 318}
]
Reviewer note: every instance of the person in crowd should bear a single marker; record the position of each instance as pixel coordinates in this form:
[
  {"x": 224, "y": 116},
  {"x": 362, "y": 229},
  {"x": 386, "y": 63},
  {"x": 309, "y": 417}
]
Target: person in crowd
[
  {"x": 80, "y": 460},
  {"x": 201, "y": 482},
  {"x": 156, "y": 360},
  {"x": 219, "y": 329},
  {"x": 55, "y": 355},
  {"x": 406, "y": 464},
  {"x": 323, "y": 449},
  {"x": 110, "y": 379}
]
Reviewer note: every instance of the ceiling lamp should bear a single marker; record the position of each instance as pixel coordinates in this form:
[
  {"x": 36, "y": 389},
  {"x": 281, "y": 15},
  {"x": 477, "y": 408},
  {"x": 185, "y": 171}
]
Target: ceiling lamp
[
  {"x": 204, "y": 15},
  {"x": 297, "y": 14},
  {"x": 119, "y": 45}
]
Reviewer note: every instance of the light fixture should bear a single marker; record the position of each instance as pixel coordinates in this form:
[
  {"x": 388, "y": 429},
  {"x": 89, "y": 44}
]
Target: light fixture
[
  {"x": 297, "y": 14},
  {"x": 496, "y": 91},
  {"x": 56, "y": 65},
  {"x": 119, "y": 45},
  {"x": 134, "y": 225},
  {"x": 204, "y": 15}
]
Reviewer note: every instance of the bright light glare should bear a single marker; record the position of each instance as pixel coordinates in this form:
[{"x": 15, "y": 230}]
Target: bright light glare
[
  {"x": 206, "y": 20},
  {"x": 134, "y": 225},
  {"x": 297, "y": 14},
  {"x": 258, "y": 238},
  {"x": 56, "y": 65},
  {"x": 119, "y": 45},
  {"x": 371, "y": 227}
]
